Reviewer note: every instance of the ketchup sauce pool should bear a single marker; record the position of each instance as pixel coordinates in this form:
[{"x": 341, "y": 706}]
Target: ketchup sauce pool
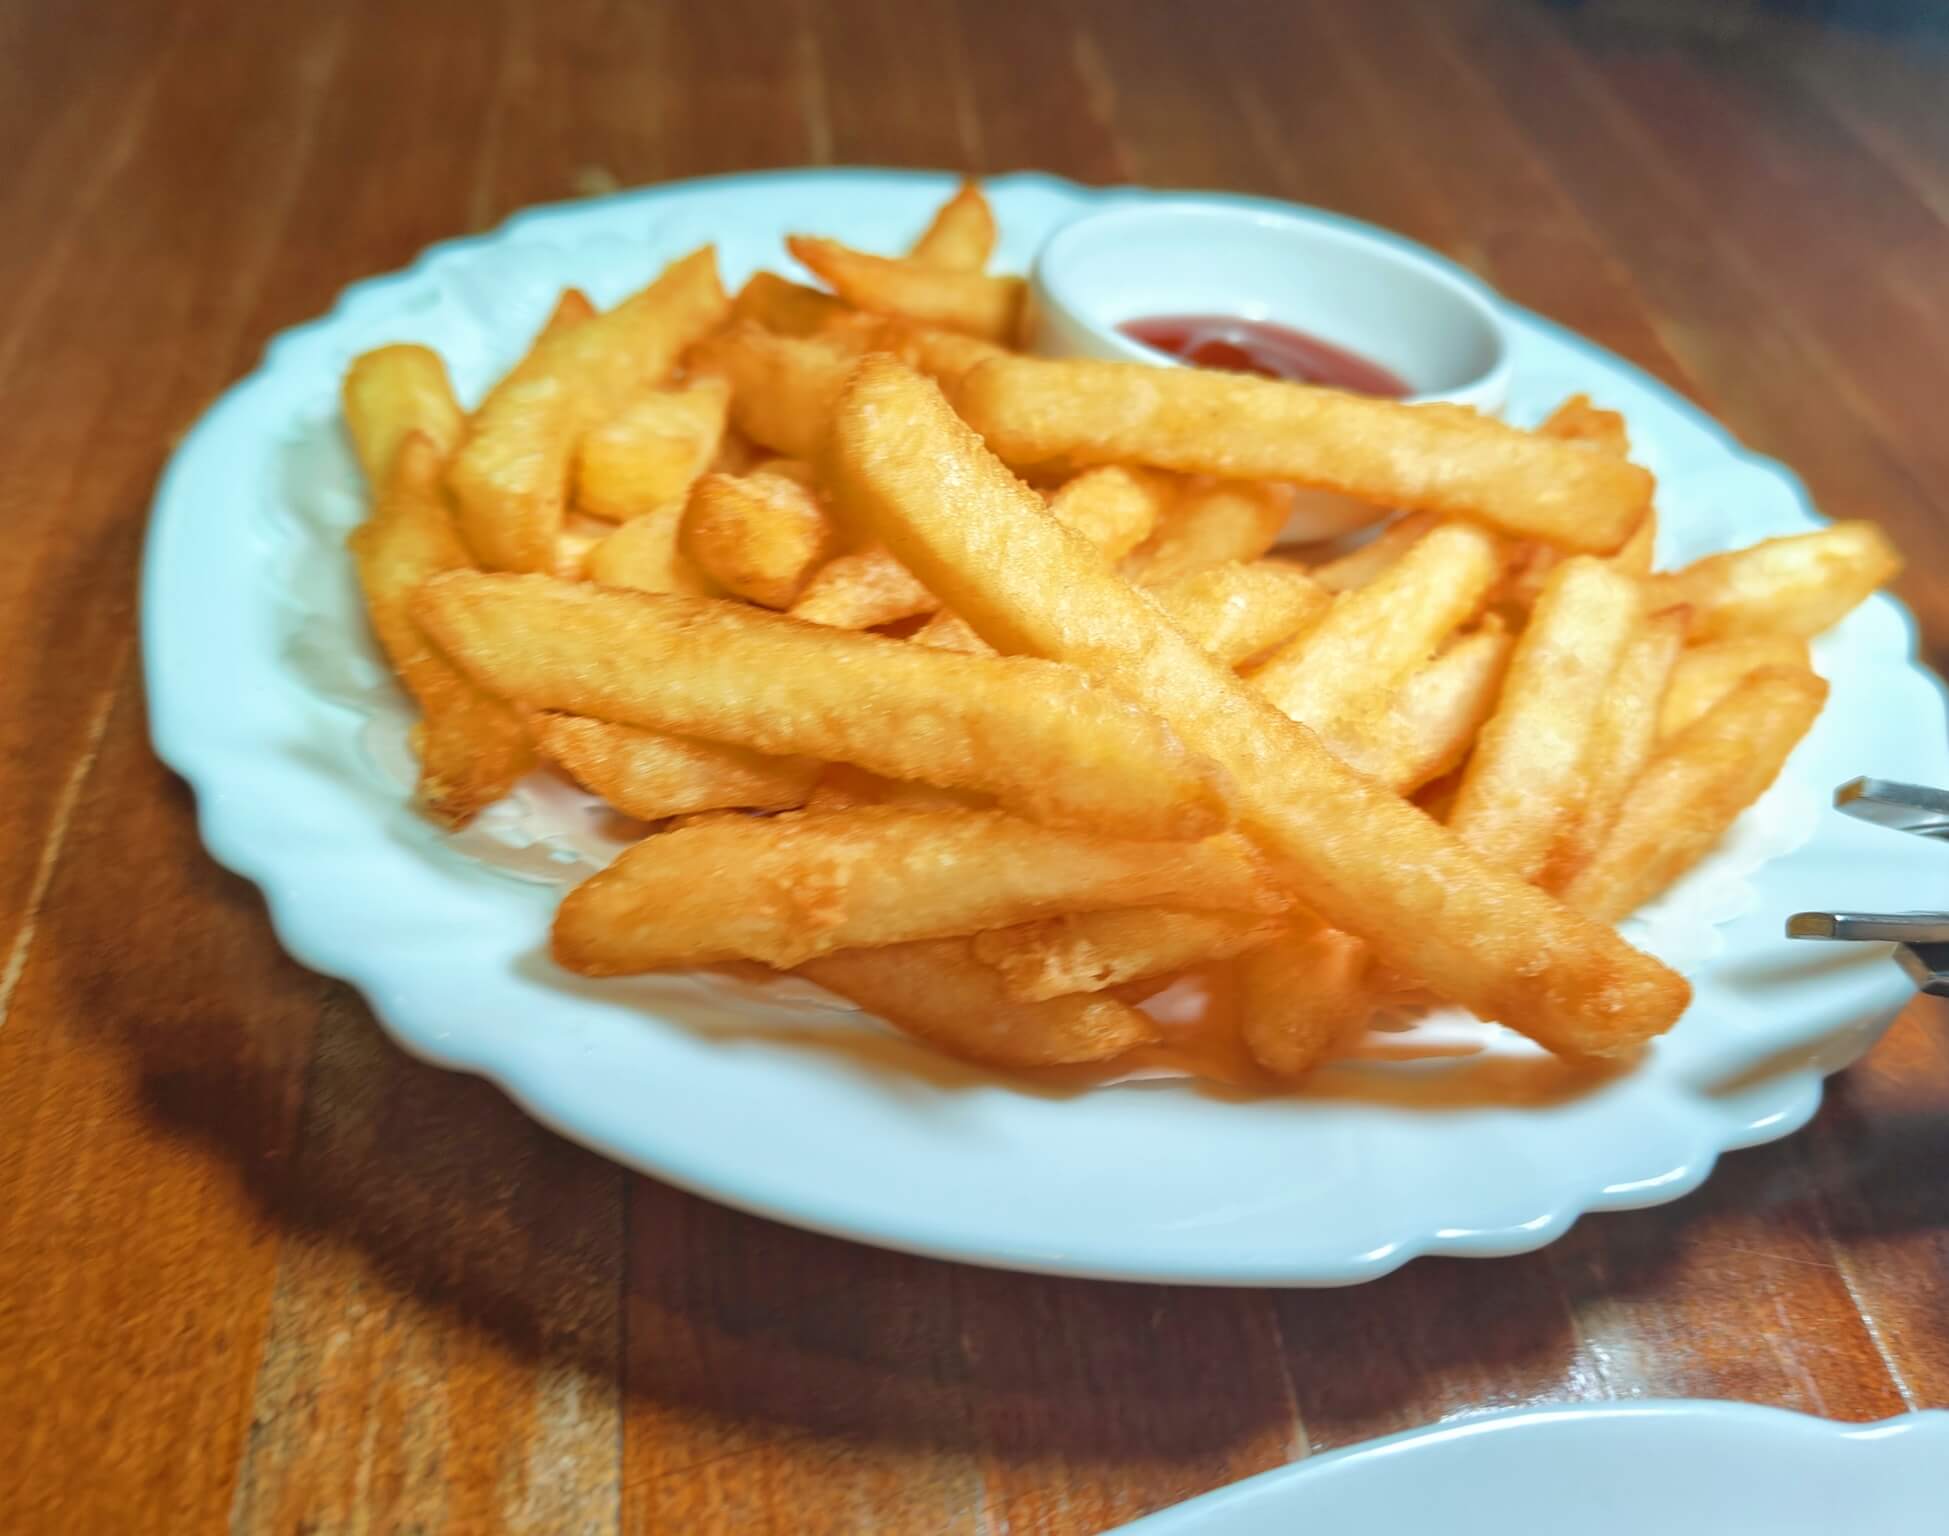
[{"x": 1263, "y": 347}]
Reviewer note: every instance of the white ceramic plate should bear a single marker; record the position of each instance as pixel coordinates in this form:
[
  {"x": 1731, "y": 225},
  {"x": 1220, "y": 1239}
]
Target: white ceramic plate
[
  {"x": 267, "y": 696},
  {"x": 1679, "y": 1469}
]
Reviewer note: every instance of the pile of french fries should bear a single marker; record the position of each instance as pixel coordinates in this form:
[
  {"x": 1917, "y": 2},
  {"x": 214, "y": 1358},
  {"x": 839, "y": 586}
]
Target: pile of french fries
[{"x": 970, "y": 685}]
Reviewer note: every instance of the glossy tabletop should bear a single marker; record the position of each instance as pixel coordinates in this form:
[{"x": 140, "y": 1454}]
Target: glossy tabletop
[{"x": 259, "y": 1271}]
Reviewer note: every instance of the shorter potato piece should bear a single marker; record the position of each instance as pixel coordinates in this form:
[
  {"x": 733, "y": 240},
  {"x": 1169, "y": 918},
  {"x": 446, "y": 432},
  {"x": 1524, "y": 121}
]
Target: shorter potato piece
[
  {"x": 1526, "y": 783},
  {"x": 1422, "y": 458},
  {"x": 970, "y": 302},
  {"x": 759, "y": 536},
  {"x": 1428, "y": 726},
  {"x": 1212, "y": 523},
  {"x": 643, "y": 555},
  {"x": 1345, "y": 667},
  {"x": 939, "y": 992},
  {"x": 651, "y": 775},
  {"x": 1089, "y": 951},
  {"x": 1359, "y": 566},
  {"x": 1797, "y": 585},
  {"x": 572, "y": 307},
  {"x": 471, "y": 746},
  {"x": 947, "y": 356},
  {"x": 1705, "y": 674},
  {"x": 1638, "y": 552},
  {"x": 1039, "y": 736},
  {"x": 1113, "y": 508},
  {"x": 785, "y": 889},
  {"x": 782, "y": 387},
  {"x": 1302, "y": 995},
  {"x": 1623, "y": 737},
  {"x": 1578, "y": 421},
  {"x": 789, "y": 308},
  {"x": 650, "y": 454},
  {"x": 1694, "y": 789},
  {"x": 961, "y": 237},
  {"x": 392, "y": 391},
  {"x": 511, "y": 477},
  {"x": 1237, "y": 610}
]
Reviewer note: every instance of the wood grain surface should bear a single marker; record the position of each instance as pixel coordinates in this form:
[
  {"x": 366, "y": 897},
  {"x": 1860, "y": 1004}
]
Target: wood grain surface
[{"x": 261, "y": 1272}]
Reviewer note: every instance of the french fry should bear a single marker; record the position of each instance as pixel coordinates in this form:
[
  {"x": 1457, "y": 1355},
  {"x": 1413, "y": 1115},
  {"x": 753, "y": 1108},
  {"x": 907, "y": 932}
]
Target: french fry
[
  {"x": 970, "y": 302},
  {"x": 1211, "y": 524},
  {"x": 651, "y": 453},
  {"x": 938, "y": 991},
  {"x": 942, "y": 355},
  {"x": 1035, "y": 412},
  {"x": 391, "y": 392},
  {"x": 962, "y": 234},
  {"x": 1431, "y": 722},
  {"x": 759, "y": 536},
  {"x": 572, "y": 307},
  {"x": 643, "y": 555},
  {"x": 1636, "y": 555},
  {"x": 1578, "y": 421},
  {"x": 471, "y": 746},
  {"x": 1705, "y": 674},
  {"x": 1089, "y": 951},
  {"x": 573, "y": 546},
  {"x": 789, "y": 308},
  {"x": 1113, "y": 508},
  {"x": 1041, "y": 738},
  {"x": 1301, "y": 995},
  {"x": 1346, "y": 666},
  {"x": 1525, "y": 784},
  {"x": 1623, "y": 737},
  {"x": 1695, "y": 787},
  {"x": 842, "y": 786},
  {"x": 782, "y": 890},
  {"x": 782, "y": 387},
  {"x": 511, "y": 476},
  {"x": 1367, "y": 862},
  {"x": 1359, "y": 566},
  {"x": 1797, "y": 585},
  {"x": 1235, "y": 611},
  {"x": 651, "y": 775}
]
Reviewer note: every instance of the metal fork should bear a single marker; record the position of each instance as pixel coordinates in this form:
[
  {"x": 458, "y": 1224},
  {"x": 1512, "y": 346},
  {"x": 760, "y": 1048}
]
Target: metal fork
[{"x": 1921, "y": 939}]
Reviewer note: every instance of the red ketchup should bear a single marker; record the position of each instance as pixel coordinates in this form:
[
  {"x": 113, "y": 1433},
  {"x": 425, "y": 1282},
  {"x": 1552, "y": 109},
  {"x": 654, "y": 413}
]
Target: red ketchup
[{"x": 1265, "y": 348}]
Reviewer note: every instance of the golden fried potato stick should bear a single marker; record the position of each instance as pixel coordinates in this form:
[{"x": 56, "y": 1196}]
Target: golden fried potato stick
[
  {"x": 973, "y": 303},
  {"x": 651, "y": 774},
  {"x": 1089, "y": 951},
  {"x": 1695, "y": 787},
  {"x": 1302, "y": 995},
  {"x": 1359, "y": 566},
  {"x": 1365, "y": 860},
  {"x": 1238, "y": 610},
  {"x": 653, "y": 451},
  {"x": 782, "y": 387},
  {"x": 1636, "y": 554},
  {"x": 1705, "y": 674},
  {"x": 393, "y": 391},
  {"x": 782, "y": 889},
  {"x": 1431, "y": 722},
  {"x": 1347, "y": 665},
  {"x": 1622, "y": 740},
  {"x": 760, "y": 536},
  {"x": 937, "y": 991},
  {"x": 1797, "y": 585},
  {"x": 962, "y": 234},
  {"x": 1041, "y": 738},
  {"x": 471, "y": 746},
  {"x": 1211, "y": 524},
  {"x": 1525, "y": 784},
  {"x": 1034, "y": 412},
  {"x": 510, "y": 478},
  {"x": 572, "y": 307},
  {"x": 644, "y": 556},
  {"x": 789, "y": 308},
  {"x": 1112, "y": 507},
  {"x": 1578, "y": 421}
]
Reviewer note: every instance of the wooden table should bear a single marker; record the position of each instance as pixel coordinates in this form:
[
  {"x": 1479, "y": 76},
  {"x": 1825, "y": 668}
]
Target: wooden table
[{"x": 258, "y": 1268}]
